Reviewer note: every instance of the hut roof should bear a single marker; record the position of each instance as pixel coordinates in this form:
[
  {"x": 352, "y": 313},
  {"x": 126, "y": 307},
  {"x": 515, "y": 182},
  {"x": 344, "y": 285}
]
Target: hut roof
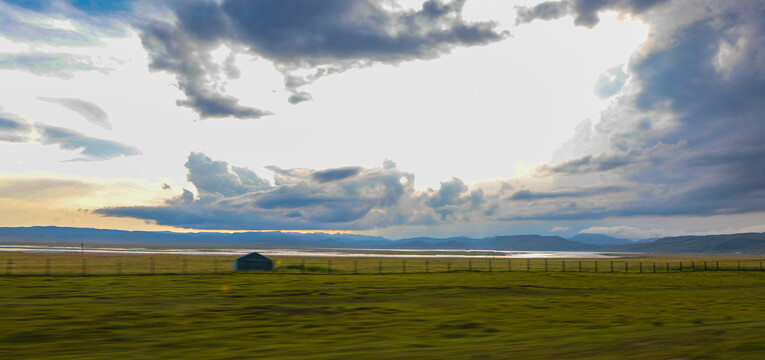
[{"x": 253, "y": 257}]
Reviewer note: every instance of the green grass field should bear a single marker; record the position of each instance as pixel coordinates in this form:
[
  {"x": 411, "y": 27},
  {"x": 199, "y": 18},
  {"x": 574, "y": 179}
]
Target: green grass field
[{"x": 487, "y": 315}]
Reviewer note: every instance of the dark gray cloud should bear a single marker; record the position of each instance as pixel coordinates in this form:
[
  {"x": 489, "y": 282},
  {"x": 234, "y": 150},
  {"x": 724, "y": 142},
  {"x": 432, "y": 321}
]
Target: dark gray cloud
[
  {"x": 86, "y": 109},
  {"x": 689, "y": 140},
  {"x": 549, "y": 10},
  {"x": 90, "y": 148},
  {"x": 450, "y": 193},
  {"x": 335, "y": 174},
  {"x": 572, "y": 193},
  {"x": 172, "y": 50},
  {"x": 323, "y": 32},
  {"x": 585, "y": 12},
  {"x": 13, "y": 128},
  {"x": 48, "y": 64},
  {"x": 684, "y": 141},
  {"x": 350, "y": 197},
  {"x": 185, "y": 198},
  {"x": 589, "y": 164},
  {"x": 214, "y": 180},
  {"x": 324, "y": 37},
  {"x": 299, "y": 97}
]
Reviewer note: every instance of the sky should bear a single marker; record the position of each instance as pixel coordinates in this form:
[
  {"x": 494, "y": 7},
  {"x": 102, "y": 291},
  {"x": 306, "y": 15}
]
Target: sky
[{"x": 629, "y": 118}]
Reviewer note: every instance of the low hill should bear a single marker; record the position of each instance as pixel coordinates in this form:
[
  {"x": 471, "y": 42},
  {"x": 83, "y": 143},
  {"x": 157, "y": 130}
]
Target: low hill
[
  {"x": 748, "y": 243},
  {"x": 538, "y": 243},
  {"x": 599, "y": 239},
  {"x": 51, "y": 235}
]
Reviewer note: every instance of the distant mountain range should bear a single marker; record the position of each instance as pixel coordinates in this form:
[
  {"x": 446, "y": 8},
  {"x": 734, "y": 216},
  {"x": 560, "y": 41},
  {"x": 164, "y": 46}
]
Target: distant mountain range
[
  {"x": 748, "y": 243},
  {"x": 51, "y": 235}
]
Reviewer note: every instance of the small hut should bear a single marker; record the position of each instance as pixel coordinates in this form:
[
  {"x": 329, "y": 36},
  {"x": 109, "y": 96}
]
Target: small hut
[{"x": 253, "y": 262}]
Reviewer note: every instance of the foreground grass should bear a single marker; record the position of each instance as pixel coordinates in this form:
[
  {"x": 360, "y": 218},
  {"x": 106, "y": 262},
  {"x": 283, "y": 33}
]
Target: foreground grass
[{"x": 701, "y": 315}]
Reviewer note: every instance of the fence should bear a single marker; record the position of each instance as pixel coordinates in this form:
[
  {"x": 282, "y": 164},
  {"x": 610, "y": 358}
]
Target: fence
[{"x": 39, "y": 264}]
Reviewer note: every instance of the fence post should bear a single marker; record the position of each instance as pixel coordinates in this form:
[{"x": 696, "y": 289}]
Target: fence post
[
  {"x": 151, "y": 260},
  {"x": 705, "y": 266},
  {"x": 355, "y": 267},
  {"x": 717, "y": 265},
  {"x": 681, "y": 266},
  {"x": 738, "y": 262},
  {"x": 612, "y": 266},
  {"x": 329, "y": 267},
  {"x": 667, "y": 266},
  {"x": 654, "y": 267},
  {"x": 528, "y": 264},
  {"x": 490, "y": 269},
  {"x": 84, "y": 267},
  {"x": 545, "y": 264},
  {"x": 448, "y": 266},
  {"x": 379, "y": 267},
  {"x": 563, "y": 263},
  {"x": 215, "y": 266},
  {"x": 580, "y": 265},
  {"x": 641, "y": 267},
  {"x": 427, "y": 267},
  {"x": 626, "y": 266},
  {"x": 47, "y": 267},
  {"x": 470, "y": 264},
  {"x": 509, "y": 265},
  {"x": 9, "y": 267},
  {"x": 693, "y": 265},
  {"x": 760, "y": 265},
  {"x": 302, "y": 266},
  {"x": 119, "y": 266},
  {"x": 185, "y": 265},
  {"x": 596, "y": 265},
  {"x": 403, "y": 266}
]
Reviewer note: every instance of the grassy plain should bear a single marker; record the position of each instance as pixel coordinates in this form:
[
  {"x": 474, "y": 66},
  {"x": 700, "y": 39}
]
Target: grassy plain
[
  {"x": 487, "y": 315},
  {"x": 125, "y": 264}
]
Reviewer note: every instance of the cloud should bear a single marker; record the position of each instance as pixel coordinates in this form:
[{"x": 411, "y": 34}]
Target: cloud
[
  {"x": 560, "y": 229},
  {"x": 214, "y": 180},
  {"x": 549, "y": 10},
  {"x": 574, "y": 193},
  {"x": 585, "y": 12},
  {"x": 352, "y": 197},
  {"x": 48, "y": 64},
  {"x": 41, "y": 22},
  {"x": 305, "y": 39},
  {"x": 40, "y": 190},
  {"x": 172, "y": 50},
  {"x": 335, "y": 174},
  {"x": 610, "y": 82},
  {"x": 13, "y": 128},
  {"x": 90, "y": 148},
  {"x": 86, "y": 109},
  {"x": 684, "y": 138},
  {"x": 25, "y": 26}
]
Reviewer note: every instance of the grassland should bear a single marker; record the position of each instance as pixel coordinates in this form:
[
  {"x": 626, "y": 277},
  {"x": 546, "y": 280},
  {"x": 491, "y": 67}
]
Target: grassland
[
  {"x": 460, "y": 314},
  {"x": 132, "y": 264}
]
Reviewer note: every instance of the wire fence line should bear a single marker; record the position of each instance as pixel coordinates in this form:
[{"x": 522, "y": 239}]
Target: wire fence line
[{"x": 39, "y": 265}]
